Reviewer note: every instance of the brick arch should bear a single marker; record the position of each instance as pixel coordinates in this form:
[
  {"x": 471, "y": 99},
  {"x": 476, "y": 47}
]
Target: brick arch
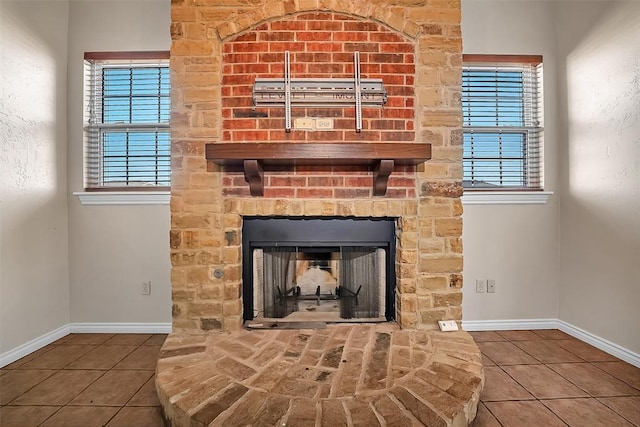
[
  {"x": 322, "y": 45},
  {"x": 392, "y": 18}
]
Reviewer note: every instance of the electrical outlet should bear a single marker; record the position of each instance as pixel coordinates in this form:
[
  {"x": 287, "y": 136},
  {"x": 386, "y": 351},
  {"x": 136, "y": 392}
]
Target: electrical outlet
[
  {"x": 324, "y": 123},
  {"x": 447, "y": 325},
  {"x": 481, "y": 286},
  {"x": 146, "y": 288},
  {"x": 491, "y": 286},
  {"x": 303, "y": 123}
]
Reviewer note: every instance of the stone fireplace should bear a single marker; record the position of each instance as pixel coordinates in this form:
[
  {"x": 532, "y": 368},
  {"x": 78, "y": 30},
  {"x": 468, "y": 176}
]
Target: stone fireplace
[
  {"x": 233, "y": 160},
  {"x": 316, "y": 180}
]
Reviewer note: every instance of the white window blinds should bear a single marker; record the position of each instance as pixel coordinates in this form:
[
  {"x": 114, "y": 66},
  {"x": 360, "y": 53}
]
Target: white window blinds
[
  {"x": 502, "y": 122},
  {"x": 127, "y": 121}
]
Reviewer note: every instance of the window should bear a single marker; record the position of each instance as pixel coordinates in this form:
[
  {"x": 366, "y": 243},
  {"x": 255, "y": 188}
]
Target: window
[
  {"x": 127, "y": 121},
  {"x": 502, "y": 122}
]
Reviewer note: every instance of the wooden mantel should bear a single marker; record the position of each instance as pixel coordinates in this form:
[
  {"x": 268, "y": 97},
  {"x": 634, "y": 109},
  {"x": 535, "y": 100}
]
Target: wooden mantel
[{"x": 380, "y": 157}]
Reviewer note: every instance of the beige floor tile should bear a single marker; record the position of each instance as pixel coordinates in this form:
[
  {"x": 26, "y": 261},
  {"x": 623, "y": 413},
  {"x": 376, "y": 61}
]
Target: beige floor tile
[
  {"x": 59, "y": 389},
  {"x": 552, "y": 334},
  {"x": 585, "y": 412},
  {"x": 25, "y": 416},
  {"x": 62, "y": 340},
  {"x": 114, "y": 388},
  {"x": 519, "y": 335},
  {"x": 128, "y": 339},
  {"x": 146, "y": 396},
  {"x": 524, "y": 413},
  {"x": 500, "y": 386},
  {"x": 81, "y": 416},
  {"x": 585, "y": 351},
  {"x": 58, "y": 357},
  {"x": 20, "y": 362},
  {"x": 622, "y": 371},
  {"x": 505, "y": 353},
  {"x": 102, "y": 357},
  {"x": 484, "y": 418},
  {"x": 18, "y": 381},
  {"x": 16, "y": 364},
  {"x": 87, "y": 339},
  {"x": 486, "y": 360},
  {"x": 627, "y": 407},
  {"x": 593, "y": 380},
  {"x": 157, "y": 339},
  {"x": 143, "y": 357},
  {"x": 542, "y": 382},
  {"x": 481, "y": 336},
  {"x": 547, "y": 351},
  {"x": 138, "y": 417}
]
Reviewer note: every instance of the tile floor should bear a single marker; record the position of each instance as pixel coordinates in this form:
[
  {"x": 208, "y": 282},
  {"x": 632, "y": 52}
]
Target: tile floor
[
  {"x": 533, "y": 378},
  {"x": 548, "y": 378},
  {"x": 84, "y": 380}
]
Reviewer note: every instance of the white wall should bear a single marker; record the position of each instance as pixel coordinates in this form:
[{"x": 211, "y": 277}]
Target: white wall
[
  {"x": 599, "y": 43},
  {"x": 34, "y": 290},
  {"x": 114, "y": 249},
  {"x": 577, "y": 258},
  {"x": 516, "y": 245}
]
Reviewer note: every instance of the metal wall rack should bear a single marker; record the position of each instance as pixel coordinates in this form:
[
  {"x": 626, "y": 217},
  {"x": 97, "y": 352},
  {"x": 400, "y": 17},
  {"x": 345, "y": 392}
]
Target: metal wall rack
[{"x": 329, "y": 92}]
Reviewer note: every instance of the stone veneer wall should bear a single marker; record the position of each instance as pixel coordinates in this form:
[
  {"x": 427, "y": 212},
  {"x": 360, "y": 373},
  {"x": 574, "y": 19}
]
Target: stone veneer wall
[{"x": 206, "y": 218}]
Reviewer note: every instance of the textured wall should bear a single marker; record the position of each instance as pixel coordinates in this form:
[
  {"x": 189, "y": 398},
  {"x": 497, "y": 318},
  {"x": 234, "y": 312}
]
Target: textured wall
[
  {"x": 114, "y": 249},
  {"x": 515, "y": 245},
  {"x": 34, "y": 287},
  {"x": 600, "y": 202}
]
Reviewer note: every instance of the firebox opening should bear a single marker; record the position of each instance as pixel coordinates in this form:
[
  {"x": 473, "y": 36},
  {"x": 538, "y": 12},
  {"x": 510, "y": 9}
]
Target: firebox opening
[{"x": 319, "y": 269}]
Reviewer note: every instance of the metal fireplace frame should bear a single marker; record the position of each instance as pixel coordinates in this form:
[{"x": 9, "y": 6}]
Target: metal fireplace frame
[{"x": 318, "y": 232}]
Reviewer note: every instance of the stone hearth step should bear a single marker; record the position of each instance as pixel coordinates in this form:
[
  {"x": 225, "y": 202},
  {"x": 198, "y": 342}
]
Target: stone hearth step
[{"x": 344, "y": 375}]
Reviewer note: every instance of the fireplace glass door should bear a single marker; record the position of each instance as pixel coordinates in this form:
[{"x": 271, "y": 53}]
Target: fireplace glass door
[
  {"x": 330, "y": 283},
  {"x": 360, "y": 283},
  {"x": 330, "y": 269}
]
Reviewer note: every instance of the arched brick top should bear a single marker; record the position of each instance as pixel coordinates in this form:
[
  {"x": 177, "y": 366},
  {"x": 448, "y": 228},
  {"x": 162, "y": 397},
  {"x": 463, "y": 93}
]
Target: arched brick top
[
  {"x": 322, "y": 45},
  {"x": 393, "y": 18}
]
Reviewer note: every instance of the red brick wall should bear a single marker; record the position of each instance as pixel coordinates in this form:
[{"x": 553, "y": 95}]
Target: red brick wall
[{"x": 321, "y": 45}]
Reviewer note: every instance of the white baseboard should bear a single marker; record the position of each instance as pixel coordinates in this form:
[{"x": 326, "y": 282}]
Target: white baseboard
[
  {"x": 527, "y": 324},
  {"x": 509, "y": 325},
  {"x": 120, "y": 328},
  {"x": 33, "y": 345},
  {"x": 81, "y": 328},
  {"x": 601, "y": 343}
]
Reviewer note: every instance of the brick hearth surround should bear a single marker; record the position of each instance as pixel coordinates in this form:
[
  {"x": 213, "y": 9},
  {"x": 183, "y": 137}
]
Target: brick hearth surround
[{"x": 213, "y": 372}]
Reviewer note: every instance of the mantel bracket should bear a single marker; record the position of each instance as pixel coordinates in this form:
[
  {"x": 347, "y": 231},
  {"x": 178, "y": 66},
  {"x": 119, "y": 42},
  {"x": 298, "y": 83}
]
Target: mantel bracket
[
  {"x": 254, "y": 174},
  {"x": 381, "y": 173}
]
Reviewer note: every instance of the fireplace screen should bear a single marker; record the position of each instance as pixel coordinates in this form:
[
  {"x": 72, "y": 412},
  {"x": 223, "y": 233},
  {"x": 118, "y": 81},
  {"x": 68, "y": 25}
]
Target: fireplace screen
[
  {"x": 327, "y": 283},
  {"x": 318, "y": 269}
]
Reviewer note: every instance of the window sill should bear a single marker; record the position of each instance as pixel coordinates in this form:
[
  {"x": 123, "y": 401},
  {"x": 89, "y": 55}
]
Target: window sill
[
  {"x": 505, "y": 197},
  {"x": 124, "y": 197}
]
